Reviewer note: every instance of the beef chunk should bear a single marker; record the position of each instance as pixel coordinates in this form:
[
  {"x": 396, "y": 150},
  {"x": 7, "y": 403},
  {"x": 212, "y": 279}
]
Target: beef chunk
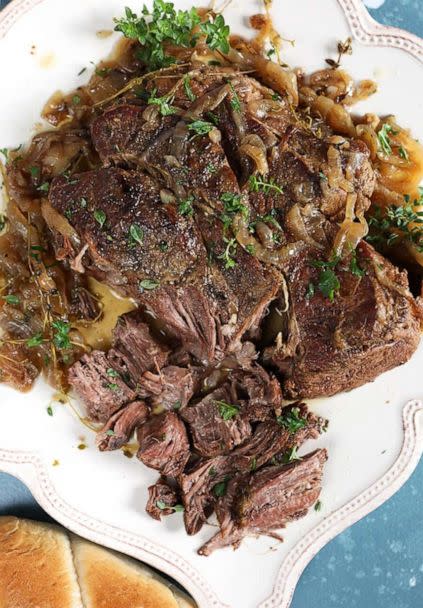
[
  {"x": 301, "y": 424},
  {"x": 197, "y": 492},
  {"x": 243, "y": 289},
  {"x": 121, "y": 425},
  {"x": 115, "y": 200},
  {"x": 164, "y": 444},
  {"x": 134, "y": 349},
  {"x": 167, "y": 274},
  {"x": 122, "y": 133},
  {"x": 269, "y": 499},
  {"x": 370, "y": 327},
  {"x": 268, "y": 440},
  {"x": 161, "y": 499},
  {"x": 260, "y": 390},
  {"x": 216, "y": 424},
  {"x": 187, "y": 316},
  {"x": 169, "y": 389},
  {"x": 101, "y": 388}
]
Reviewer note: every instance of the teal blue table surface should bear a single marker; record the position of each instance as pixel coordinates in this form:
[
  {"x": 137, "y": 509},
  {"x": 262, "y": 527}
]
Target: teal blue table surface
[{"x": 378, "y": 563}]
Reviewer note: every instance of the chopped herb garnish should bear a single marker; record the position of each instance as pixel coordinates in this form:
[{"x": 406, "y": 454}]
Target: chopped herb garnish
[
  {"x": 311, "y": 290},
  {"x": 5, "y": 153},
  {"x": 110, "y": 433},
  {"x": 229, "y": 253},
  {"x": 258, "y": 184},
  {"x": 403, "y": 153},
  {"x": 50, "y": 410},
  {"x": 163, "y": 246},
  {"x": 11, "y": 299},
  {"x": 290, "y": 456},
  {"x": 61, "y": 331},
  {"x": 148, "y": 284},
  {"x": 187, "y": 87},
  {"x": 250, "y": 248},
  {"x": 328, "y": 283},
  {"x": 292, "y": 420},
  {"x": 177, "y": 405},
  {"x": 163, "y": 103},
  {"x": 100, "y": 217},
  {"x": 136, "y": 234},
  {"x": 112, "y": 373},
  {"x": 185, "y": 207},
  {"x": 235, "y": 101},
  {"x": 166, "y": 26},
  {"x": 83, "y": 203},
  {"x": 45, "y": 187},
  {"x": 200, "y": 127},
  {"x": 253, "y": 465},
  {"x": 233, "y": 203},
  {"x": 318, "y": 506},
  {"x": 220, "y": 489},
  {"x": 323, "y": 176},
  {"x": 383, "y": 139},
  {"x": 217, "y": 33},
  {"x": 112, "y": 386},
  {"x": 354, "y": 267},
  {"x": 210, "y": 168},
  {"x": 76, "y": 100},
  {"x": 226, "y": 410},
  {"x": 271, "y": 52},
  {"x": 35, "y": 340},
  {"x": 34, "y": 171},
  {"x": 102, "y": 72},
  {"x": 212, "y": 472}
]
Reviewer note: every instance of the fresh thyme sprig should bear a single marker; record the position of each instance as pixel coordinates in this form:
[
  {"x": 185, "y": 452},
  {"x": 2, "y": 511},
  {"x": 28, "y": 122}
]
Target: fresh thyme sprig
[
  {"x": 396, "y": 223},
  {"x": 165, "y": 25}
]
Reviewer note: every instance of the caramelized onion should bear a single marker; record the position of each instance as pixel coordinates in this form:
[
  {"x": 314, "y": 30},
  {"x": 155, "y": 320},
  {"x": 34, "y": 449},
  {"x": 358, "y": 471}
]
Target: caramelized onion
[
  {"x": 57, "y": 222},
  {"x": 295, "y": 224},
  {"x": 253, "y": 147},
  {"x": 276, "y": 257},
  {"x": 334, "y": 114},
  {"x": 350, "y": 232},
  {"x": 334, "y": 84}
]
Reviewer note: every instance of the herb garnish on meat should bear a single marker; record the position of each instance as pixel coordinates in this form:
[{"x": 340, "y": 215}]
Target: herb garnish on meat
[
  {"x": 226, "y": 410},
  {"x": 165, "y": 25},
  {"x": 292, "y": 420},
  {"x": 258, "y": 184},
  {"x": 398, "y": 223}
]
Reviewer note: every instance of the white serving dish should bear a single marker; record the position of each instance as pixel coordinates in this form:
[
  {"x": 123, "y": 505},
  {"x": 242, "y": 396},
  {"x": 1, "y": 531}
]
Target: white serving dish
[{"x": 374, "y": 440}]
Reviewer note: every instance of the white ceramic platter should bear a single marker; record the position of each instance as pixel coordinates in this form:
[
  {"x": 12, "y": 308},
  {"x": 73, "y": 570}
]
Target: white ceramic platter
[{"x": 374, "y": 441}]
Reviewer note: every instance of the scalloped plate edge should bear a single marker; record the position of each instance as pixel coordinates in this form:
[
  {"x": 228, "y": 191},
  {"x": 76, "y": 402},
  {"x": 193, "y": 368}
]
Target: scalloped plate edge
[
  {"x": 369, "y": 32},
  {"x": 28, "y": 466}
]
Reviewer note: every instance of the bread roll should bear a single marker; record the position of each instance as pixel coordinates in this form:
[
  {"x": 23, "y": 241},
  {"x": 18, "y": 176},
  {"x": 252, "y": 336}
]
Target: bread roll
[
  {"x": 43, "y": 566},
  {"x": 36, "y": 566}
]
